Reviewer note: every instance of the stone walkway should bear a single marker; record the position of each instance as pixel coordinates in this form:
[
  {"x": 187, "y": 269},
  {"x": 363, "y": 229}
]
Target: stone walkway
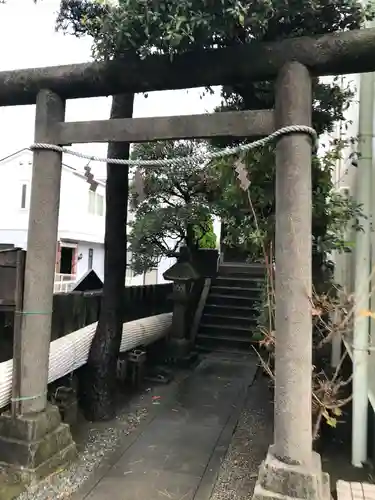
[
  {"x": 177, "y": 456},
  {"x": 249, "y": 446}
]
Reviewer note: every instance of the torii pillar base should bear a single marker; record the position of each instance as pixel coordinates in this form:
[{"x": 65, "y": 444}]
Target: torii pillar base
[
  {"x": 278, "y": 480},
  {"x": 32, "y": 447}
]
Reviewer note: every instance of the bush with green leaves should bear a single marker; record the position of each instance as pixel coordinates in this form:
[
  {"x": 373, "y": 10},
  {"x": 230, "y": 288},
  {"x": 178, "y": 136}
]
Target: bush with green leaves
[
  {"x": 175, "y": 26},
  {"x": 172, "y": 206},
  {"x": 334, "y": 215},
  {"x": 144, "y": 27}
]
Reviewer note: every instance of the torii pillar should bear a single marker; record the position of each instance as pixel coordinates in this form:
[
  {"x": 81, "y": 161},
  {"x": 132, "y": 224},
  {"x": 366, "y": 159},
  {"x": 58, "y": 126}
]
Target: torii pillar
[
  {"x": 291, "y": 469},
  {"x": 33, "y": 441}
]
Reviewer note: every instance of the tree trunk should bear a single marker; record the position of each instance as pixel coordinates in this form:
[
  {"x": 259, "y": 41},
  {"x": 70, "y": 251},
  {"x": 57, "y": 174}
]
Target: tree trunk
[
  {"x": 190, "y": 237},
  {"x": 99, "y": 379},
  {"x": 330, "y": 54}
]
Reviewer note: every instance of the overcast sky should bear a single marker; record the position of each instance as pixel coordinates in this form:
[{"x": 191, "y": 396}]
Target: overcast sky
[{"x": 28, "y": 39}]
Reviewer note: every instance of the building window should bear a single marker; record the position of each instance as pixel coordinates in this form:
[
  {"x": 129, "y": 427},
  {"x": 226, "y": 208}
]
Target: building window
[
  {"x": 23, "y": 195},
  {"x": 151, "y": 277},
  {"x": 129, "y": 272},
  {"x": 91, "y": 202},
  {"x": 91, "y": 258},
  {"x": 67, "y": 256},
  {"x": 99, "y": 205},
  {"x": 96, "y": 203}
]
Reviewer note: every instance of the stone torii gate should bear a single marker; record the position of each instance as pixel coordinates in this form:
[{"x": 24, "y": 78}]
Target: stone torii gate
[{"x": 34, "y": 441}]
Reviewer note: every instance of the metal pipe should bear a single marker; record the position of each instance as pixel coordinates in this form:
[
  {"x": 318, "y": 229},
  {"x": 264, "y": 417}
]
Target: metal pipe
[
  {"x": 339, "y": 260},
  {"x": 362, "y": 271}
]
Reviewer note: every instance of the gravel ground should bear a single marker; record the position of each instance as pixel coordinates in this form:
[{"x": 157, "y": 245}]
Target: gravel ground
[
  {"x": 249, "y": 446},
  {"x": 238, "y": 471},
  {"x": 250, "y": 443},
  {"x": 96, "y": 443},
  {"x": 100, "y": 442}
]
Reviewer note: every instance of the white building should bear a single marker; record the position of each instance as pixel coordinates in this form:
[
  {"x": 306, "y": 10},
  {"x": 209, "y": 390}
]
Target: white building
[
  {"x": 80, "y": 244},
  {"x": 354, "y": 175},
  {"x": 152, "y": 277}
]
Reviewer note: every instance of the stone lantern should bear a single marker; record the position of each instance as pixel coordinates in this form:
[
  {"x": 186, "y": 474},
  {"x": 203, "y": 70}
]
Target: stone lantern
[{"x": 183, "y": 274}]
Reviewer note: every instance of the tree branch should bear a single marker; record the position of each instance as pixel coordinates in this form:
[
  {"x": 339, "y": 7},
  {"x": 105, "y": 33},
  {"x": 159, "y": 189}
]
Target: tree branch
[
  {"x": 164, "y": 200},
  {"x": 185, "y": 195}
]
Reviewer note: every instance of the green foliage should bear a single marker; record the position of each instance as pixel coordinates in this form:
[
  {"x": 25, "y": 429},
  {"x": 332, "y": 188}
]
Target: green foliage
[
  {"x": 143, "y": 27},
  {"x": 174, "y": 26},
  {"x": 175, "y": 206},
  {"x": 333, "y": 214},
  {"x": 204, "y": 234}
]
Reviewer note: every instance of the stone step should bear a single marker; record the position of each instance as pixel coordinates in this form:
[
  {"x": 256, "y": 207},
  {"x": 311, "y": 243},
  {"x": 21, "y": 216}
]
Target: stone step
[
  {"x": 231, "y": 300},
  {"x": 230, "y": 314},
  {"x": 238, "y": 321},
  {"x": 251, "y": 292},
  {"x": 239, "y": 282},
  {"x": 227, "y": 330},
  {"x": 208, "y": 342},
  {"x": 243, "y": 308},
  {"x": 247, "y": 311},
  {"x": 242, "y": 269}
]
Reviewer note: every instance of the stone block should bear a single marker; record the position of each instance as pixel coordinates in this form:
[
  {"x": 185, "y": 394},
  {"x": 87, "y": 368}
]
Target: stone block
[
  {"x": 31, "y": 454},
  {"x": 65, "y": 398},
  {"x": 23, "y": 476},
  {"x": 178, "y": 348},
  {"x": 29, "y": 427},
  {"x": 70, "y": 413},
  {"x": 277, "y": 480},
  {"x": 33, "y": 446}
]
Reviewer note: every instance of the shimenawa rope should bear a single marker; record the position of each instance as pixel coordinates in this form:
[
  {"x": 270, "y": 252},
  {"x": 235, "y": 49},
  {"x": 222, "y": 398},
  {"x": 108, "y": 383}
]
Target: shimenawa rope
[{"x": 197, "y": 158}]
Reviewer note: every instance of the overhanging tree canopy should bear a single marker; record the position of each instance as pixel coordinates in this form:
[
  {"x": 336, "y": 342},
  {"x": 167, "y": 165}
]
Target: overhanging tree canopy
[{"x": 175, "y": 206}]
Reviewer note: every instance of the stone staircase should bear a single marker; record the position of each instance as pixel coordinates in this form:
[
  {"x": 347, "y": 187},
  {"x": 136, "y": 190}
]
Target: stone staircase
[{"x": 229, "y": 318}]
